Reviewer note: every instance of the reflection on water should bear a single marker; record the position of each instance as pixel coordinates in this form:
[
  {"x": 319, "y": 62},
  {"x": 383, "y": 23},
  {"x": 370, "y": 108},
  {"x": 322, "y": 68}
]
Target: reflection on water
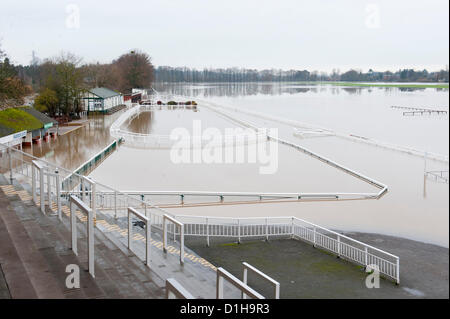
[
  {"x": 74, "y": 148},
  {"x": 269, "y": 88}
]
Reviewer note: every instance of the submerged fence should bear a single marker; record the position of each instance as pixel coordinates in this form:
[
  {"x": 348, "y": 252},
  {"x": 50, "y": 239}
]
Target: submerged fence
[
  {"x": 19, "y": 165},
  {"x": 90, "y": 164}
]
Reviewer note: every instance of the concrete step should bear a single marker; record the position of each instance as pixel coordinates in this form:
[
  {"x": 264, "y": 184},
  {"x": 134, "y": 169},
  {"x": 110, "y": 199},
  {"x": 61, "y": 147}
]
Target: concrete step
[
  {"x": 34, "y": 263},
  {"x": 137, "y": 280},
  {"x": 16, "y": 283}
]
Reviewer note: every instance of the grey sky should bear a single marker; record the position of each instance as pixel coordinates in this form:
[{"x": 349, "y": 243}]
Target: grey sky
[{"x": 313, "y": 35}]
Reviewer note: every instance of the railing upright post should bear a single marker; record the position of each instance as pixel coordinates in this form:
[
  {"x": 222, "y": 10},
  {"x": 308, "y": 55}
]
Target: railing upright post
[
  {"x": 338, "y": 246},
  {"x": 49, "y": 191},
  {"x": 219, "y": 286},
  {"x": 115, "y": 204},
  {"x": 267, "y": 231},
  {"x": 398, "y": 271},
  {"x": 93, "y": 200},
  {"x": 207, "y": 231},
  {"x": 10, "y": 165},
  {"x": 148, "y": 230},
  {"x": 244, "y": 280},
  {"x": 91, "y": 243},
  {"x": 239, "y": 230},
  {"x": 314, "y": 239},
  {"x": 58, "y": 194},
  {"x": 73, "y": 228},
  {"x": 164, "y": 235},
  {"x": 365, "y": 256},
  {"x": 292, "y": 227},
  {"x": 130, "y": 229},
  {"x": 41, "y": 191},
  {"x": 182, "y": 244},
  {"x": 33, "y": 182},
  {"x": 82, "y": 189}
]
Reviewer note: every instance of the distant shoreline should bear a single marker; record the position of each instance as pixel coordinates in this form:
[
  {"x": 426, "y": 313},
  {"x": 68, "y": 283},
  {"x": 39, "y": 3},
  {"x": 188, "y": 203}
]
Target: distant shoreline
[{"x": 397, "y": 85}]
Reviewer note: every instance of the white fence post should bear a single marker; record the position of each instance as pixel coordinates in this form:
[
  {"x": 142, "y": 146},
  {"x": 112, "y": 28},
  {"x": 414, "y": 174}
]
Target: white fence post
[
  {"x": 58, "y": 193},
  {"x": 239, "y": 230},
  {"x": 182, "y": 244},
  {"x": 339, "y": 246},
  {"x": 82, "y": 189},
  {"x": 91, "y": 243},
  {"x": 164, "y": 235},
  {"x": 115, "y": 204},
  {"x": 49, "y": 189},
  {"x": 244, "y": 279},
  {"x": 365, "y": 256},
  {"x": 267, "y": 229},
  {"x": 73, "y": 228},
  {"x": 74, "y": 201},
  {"x": 130, "y": 230},
  {"x": 314, "y": 234},
  {"x": 93, "y": 200},
  {"x": 41, "y": 191},
  {"x": 207, "y": 232},
  {"x": 33, "y": 183},
  {"x": 10, "y": 165},
  {"x": 181, "y": 226}
]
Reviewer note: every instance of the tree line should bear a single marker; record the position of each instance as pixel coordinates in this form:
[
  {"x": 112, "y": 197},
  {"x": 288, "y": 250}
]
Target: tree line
[
  {"x": 184, "y": 74},
  {"x": 61, "y": 81}
]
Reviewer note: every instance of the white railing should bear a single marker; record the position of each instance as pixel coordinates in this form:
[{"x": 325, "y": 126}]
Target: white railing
[
  {"x": 223, "y": 274},
  {"x": 38, "y": 169},
  {"x": 47, "y": 181},
  {"x": 76, "y": 202},
  {"x": 21, "y": 165},
  {"x": 262, "y": 275},
  {"x": 166, "y": 141},
  {"x": 292, "y": 227},
  {"x": 180, "y": 226},
  {"x": 174, "y": 290},
  {"x": 355, "y": 138},
  {"x": 147, "y": 223}
]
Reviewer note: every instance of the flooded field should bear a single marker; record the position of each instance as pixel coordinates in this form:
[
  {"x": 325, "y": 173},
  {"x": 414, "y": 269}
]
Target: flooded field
[{"x": 415, "y": 207}]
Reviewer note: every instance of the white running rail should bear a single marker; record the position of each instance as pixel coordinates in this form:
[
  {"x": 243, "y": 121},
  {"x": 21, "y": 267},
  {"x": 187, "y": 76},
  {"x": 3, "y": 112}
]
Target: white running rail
[
  {"x": 19, "y": 164},
  {"x": 140, "y": 140},
  {"x": 355, "y": 138}
]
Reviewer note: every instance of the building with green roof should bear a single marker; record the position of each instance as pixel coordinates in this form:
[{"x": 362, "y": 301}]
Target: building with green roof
[{"x": 101, "y": 100}]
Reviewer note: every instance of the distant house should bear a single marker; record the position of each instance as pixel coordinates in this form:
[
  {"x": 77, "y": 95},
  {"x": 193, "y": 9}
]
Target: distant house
[{"x": 101, "y": 100}]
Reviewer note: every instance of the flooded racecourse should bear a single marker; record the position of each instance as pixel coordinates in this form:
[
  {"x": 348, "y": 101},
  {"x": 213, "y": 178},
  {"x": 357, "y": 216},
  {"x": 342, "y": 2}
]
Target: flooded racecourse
[{"x": 415, "y": 207}]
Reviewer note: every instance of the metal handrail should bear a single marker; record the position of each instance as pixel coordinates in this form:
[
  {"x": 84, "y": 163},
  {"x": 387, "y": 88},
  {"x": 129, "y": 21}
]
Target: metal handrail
[
  {"x": 244, "y": 288},
  {"x": 75, "y": 201},
  {"x": 147, "y": 222},
  {"x": 174, "y": 288},
  {"x": 181, "y": 227},
  {"x": 262, "y": 275}
]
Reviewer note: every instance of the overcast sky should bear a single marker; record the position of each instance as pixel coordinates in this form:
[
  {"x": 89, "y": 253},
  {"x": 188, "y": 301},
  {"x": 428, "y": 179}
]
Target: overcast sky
[{"x": 288, "y": 34}]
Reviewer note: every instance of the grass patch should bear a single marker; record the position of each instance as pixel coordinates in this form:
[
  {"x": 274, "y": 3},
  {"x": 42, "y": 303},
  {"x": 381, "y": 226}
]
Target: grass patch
[{"x": 19, "y": 120}]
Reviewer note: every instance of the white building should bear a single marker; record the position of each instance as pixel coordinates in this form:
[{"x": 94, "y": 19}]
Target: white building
[{"x": 101, "y": 100}]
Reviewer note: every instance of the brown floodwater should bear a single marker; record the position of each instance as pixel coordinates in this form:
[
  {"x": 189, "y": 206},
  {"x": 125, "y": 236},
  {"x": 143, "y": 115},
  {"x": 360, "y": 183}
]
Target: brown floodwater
[{"x": 414, "y": 208}]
